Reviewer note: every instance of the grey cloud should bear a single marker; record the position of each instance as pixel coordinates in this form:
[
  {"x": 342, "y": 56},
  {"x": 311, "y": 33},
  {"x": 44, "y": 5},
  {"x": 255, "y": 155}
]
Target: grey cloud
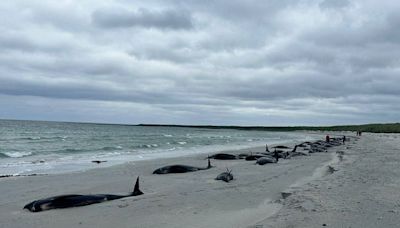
[
  {"x": 19, "y": 41},
  {"x": 334, "y": 4},
  {"x": 239, "y": 11},
  {"x": 120, "y": 18},
  {"x": 175, "y": 55},
  {"x": 79, "y": 90}
]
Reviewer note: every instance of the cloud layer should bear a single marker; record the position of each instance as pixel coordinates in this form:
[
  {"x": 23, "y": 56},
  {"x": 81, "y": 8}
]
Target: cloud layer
[
  {"x": 275, "y": 62},
  {"x": 120, "y": 18}
]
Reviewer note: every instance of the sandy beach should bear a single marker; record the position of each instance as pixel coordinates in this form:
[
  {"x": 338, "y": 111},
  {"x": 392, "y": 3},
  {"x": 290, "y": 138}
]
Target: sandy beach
[{"x": 363, "y": 192}]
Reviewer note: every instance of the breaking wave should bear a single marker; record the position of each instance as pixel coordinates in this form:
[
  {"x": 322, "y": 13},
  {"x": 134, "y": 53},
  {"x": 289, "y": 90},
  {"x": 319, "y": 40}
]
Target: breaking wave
[{"x": 14, "y": 154}]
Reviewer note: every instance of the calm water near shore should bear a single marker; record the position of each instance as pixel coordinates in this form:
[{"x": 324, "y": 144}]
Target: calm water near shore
[{"x": 53, "y": 147}]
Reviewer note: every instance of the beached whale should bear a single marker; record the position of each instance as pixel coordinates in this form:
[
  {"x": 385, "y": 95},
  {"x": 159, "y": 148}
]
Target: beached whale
[
  {"x": 266, "y": 160},
  {"x": 180, "y": 169},
  {"x": 288, "y": 154},
  {"x": 225, "y": 176},
  {"x": 223, "y": 156},
  {"x": 278, "y": 153},
  {"x": 66, "y": 201},
  {"x": 254, "y": 157}
]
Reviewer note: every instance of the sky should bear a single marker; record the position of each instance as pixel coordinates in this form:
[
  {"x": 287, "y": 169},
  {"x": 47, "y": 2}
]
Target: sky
[{"x": 228, "y": 62}]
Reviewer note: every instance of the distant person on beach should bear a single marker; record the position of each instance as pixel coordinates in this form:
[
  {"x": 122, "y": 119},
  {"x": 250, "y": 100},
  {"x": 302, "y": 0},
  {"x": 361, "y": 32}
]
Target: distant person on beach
[
  {"x": 344, "y": 139},
  {"x": 327, "y": 138},
  {"x": 266, "y": 148}
]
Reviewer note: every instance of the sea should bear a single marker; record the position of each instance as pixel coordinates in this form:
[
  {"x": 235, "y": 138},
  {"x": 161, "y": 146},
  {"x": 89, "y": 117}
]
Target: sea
[{"x": 40, "y": 147}]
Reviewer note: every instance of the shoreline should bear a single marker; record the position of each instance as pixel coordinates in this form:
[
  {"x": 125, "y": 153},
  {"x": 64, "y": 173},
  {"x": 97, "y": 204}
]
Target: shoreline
[
  {"x": 84, "y": 163},
  {"x": 173, "y": 200},
  {"x": 110, "y": 164}
]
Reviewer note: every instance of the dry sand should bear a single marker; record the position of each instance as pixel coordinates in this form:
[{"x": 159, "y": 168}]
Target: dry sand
[{"x": 364, "y": 192}]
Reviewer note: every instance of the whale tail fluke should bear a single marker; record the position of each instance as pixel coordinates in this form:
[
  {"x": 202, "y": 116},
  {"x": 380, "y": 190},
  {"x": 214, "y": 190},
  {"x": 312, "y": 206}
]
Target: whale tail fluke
[
  {"x": 228, "y": 171},
  {"x": 136, "y": 190}
]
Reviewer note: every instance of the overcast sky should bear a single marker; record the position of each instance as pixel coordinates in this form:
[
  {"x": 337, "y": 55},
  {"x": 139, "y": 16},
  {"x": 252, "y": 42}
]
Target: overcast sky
[{"x": 230, "y": 62}]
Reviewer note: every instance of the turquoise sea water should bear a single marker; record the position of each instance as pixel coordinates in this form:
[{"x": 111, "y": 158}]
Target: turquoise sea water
[{"x": 52, "y": 147}]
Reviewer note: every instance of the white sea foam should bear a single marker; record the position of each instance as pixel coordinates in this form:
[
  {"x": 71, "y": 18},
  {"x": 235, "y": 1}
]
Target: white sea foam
[
  {"x": 34, "y": 138},
  {"x": 17, "y": 154}
]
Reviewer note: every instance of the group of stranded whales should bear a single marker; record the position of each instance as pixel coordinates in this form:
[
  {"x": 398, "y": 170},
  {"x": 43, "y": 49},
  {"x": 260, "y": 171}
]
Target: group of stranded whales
[{"x": 261, "y": 158}]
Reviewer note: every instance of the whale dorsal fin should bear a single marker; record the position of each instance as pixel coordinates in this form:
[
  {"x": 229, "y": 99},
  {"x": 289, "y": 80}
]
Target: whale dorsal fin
[
  {"x": 209, "y": 164},
  {"x": 136, "y": 190}
]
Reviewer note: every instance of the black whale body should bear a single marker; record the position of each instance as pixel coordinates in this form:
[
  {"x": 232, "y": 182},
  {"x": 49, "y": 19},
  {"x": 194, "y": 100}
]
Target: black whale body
[
  {"x": 180, "y": 169},
  {"x": 254, "y": 157},
  {"x": 74, "y": 200},
  {"x": 266, "y": 160},
  {"x": 223, "y": 156}
]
